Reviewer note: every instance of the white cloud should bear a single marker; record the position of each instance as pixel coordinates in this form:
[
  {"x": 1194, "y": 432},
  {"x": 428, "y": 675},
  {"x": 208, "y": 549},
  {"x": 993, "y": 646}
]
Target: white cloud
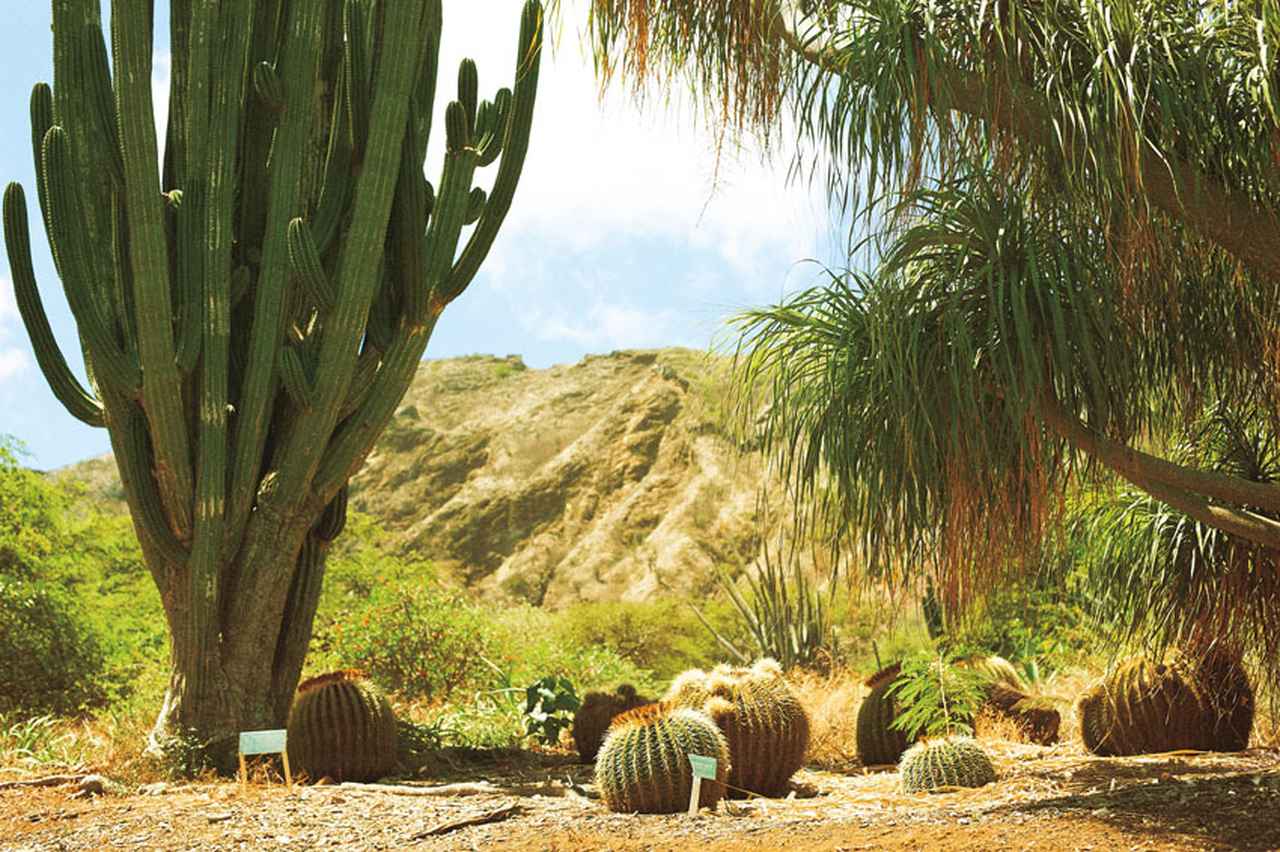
[
  {"x": 161, "y": 75},
  {"x": 602, "y": 326}
]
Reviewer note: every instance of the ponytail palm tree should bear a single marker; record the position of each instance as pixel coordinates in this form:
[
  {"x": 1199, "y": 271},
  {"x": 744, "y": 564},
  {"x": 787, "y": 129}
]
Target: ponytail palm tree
[{"x": 1077, "y": 241}]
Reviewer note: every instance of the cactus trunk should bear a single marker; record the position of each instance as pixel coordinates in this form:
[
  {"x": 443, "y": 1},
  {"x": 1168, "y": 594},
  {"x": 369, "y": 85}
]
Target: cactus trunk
[{"x": 253, "y": 306}]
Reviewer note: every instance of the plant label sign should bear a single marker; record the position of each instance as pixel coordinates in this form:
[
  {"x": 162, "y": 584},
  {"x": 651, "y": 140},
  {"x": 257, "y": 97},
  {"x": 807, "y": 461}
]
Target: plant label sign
[
  {"x": 264, "y": 742},
  {"x": 703, "y": 767}
]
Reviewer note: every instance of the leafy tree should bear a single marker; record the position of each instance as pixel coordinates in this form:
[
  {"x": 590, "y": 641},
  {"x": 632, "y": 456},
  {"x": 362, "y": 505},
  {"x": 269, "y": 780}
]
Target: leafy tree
[
  {"x": 253, "y": 304},
  {"x": 1074, "y": 259}
]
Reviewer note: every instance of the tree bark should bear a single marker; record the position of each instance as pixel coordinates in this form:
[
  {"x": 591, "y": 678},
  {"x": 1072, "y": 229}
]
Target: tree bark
[{"x": 244, "y": 680}]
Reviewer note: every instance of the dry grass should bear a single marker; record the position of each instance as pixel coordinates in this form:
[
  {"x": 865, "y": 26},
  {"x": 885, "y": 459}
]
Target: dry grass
[{"x": 832, "y": 701}]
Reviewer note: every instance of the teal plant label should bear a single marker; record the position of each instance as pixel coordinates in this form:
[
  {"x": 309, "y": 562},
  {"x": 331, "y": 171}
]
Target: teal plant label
[
  {"x": 262, "y": 742},
  {"x": 703, "y": 767}
]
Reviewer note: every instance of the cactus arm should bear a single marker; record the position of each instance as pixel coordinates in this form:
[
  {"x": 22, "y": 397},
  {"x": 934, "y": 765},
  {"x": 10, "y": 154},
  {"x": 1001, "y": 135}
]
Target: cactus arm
[
  {"x": 358, "y": 267},
  {"x": 41, "y": 121},
  {"x": 224, "y": 27},
  {"x": 299, "y": 69},
  {"x": 149, "y": 258},
  {"x": 68, "y": 390},
  {"x": 304, "y": 257},
  {"x": 132, "y": 448},
  {"x": 515, "y": 147},
  {"x": 111, "y": 363}
]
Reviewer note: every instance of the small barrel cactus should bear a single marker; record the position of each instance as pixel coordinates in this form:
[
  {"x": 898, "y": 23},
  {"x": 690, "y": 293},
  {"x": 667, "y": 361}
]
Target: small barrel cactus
[
  {"x": 597, "y": 712},
  {"x": 948, "y": 762},
  {"x": 1009, "y": 712},
  {"x": 1144, "y": 707},
  {"x": 762, "y": 720},
  {"x": 996, "y": 670},
  {"x": 643, "y": 765},
  {"x": 341, "y": 726},
  {"x": 879, "y": 742}
]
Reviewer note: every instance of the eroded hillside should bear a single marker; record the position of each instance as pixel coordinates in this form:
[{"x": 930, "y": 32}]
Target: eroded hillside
[{"x": 609, "y": 478}]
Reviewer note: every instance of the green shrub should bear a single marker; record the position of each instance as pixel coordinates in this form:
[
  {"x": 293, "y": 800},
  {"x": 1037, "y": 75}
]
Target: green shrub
[
  {"x": 663, "y": 636},
  {"x": 414, "y": 639},
  {"x": 51, "y": 660}
]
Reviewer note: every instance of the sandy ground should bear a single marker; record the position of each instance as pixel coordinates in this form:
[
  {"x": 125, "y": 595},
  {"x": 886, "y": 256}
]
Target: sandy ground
[{"x": 1047, "y": 798}]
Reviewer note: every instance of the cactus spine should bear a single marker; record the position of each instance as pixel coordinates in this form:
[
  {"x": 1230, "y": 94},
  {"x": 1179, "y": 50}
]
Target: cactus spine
[
  {"x": 643, "y": 766},
  {"x": 253, "y": 305},
  {"x": 879, "y": 743},
  {"x": 949, "y": 762},
  {"x": 1146, "y": 707},
  {"x": 762, "y": 720},
  {"x": 342, "y": 727},
  {"x": 597, "y": 712}
]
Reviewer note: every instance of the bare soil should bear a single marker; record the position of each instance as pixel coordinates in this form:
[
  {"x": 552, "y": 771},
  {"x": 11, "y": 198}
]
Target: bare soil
[{"x": 1047, "y": 798}]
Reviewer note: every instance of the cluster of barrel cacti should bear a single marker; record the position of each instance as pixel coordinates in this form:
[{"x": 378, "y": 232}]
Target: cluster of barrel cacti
[
  {"x": 597, "y": 712},
  {"x": 342, "y": 727},
  {"x": 1200, "y": 702},
  {"x": 762, "y": 719},
  {"x": 948, "y": 762},
  {"x": 643, "y": 765},
  {"x": 879, "y": 742}
]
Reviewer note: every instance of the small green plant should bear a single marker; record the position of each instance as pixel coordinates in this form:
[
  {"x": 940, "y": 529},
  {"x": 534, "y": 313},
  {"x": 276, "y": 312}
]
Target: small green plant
[
  {"x": 935, "y": 697},
  {"x": 549, "y": 705}
]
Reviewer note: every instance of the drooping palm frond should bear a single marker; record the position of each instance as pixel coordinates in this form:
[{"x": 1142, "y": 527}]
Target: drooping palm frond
[
  {"x": 1140, "y": 107},
  {"x": 906, "y": 409},
  {"x": 1162, "y": 578}
]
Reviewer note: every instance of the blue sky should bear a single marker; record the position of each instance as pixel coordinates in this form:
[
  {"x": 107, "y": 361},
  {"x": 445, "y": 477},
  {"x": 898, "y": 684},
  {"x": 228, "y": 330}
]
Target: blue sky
[{"x": 624, "y": 233}]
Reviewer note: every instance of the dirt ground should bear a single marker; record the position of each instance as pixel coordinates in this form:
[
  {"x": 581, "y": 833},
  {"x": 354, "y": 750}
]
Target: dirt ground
[{"x": 1047, "y": 798}]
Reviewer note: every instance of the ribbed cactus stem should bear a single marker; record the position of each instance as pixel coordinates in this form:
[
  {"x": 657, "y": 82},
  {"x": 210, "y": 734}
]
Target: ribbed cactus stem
[{"x": 253, "y": 308}]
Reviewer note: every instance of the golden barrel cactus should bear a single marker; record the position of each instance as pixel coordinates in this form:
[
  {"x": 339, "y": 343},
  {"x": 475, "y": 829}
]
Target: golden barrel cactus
[
  {"x": 597, "y": 712},
  {"x": 342, "y": 727}
]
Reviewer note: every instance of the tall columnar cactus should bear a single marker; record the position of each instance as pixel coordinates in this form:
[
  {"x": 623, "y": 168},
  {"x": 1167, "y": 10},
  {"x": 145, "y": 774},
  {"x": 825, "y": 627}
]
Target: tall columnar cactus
[
  {"x": 253, "y": 305},
  {"x": 880, "y": 743},
  {"x": 763, "y": 722},
  {"x": 1145, "y": 707},
  {"x": 597, "y": 712},
  {"x": 342, "y": 727},
  {"x": 643, "y": 766},
  {"x": 950, "y": 762}
]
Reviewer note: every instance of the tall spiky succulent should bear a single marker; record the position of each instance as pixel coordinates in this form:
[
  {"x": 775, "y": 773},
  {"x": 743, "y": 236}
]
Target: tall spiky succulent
[{"x": 253, "y": 307}]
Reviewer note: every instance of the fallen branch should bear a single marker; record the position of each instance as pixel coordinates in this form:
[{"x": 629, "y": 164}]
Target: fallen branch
[
  {"x": 47, "y": 781},
  {"x": 479, "y": 788},
  {"x": 495, "y": 815}
]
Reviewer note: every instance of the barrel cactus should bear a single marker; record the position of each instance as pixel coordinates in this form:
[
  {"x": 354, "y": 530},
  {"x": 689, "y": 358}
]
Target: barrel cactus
[
  {"x": 643, "y": 765},
  {"x": 996, "y": 670},
  {"x": 1010, "y": 712},
  {"x": 948, "y": 762},
  {"x": 764, "y": 723},
  {"x": 597, "y": 712},
  {"x": 1145, "y": 707},
  {"x": 879, "y": 742},
  {"x": 342, "y": 727}
]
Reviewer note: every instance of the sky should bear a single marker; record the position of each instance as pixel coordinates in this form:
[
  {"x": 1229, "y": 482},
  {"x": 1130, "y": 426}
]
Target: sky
[{"x": 627, "y": 231}]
